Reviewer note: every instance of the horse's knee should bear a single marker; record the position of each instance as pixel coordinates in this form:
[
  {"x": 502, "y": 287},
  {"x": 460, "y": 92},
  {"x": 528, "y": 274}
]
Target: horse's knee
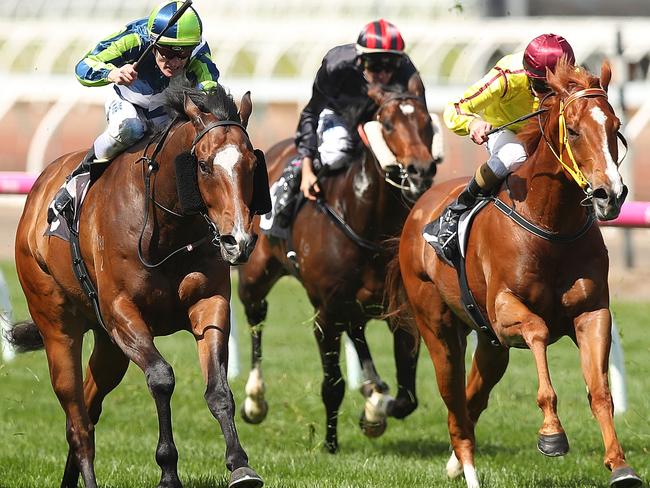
[
  {"x": 600, "y": 400},
  {"x": 160, "y": 379},
  {"x": 219, "y": 399}
]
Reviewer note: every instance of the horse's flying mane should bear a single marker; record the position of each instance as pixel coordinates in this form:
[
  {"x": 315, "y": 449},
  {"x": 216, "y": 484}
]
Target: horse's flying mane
[{"x": 216, "y": 101}]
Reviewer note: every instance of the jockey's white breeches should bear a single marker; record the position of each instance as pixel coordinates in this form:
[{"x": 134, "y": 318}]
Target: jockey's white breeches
[
  {"x": 506, "y": 153},
  {"x": 126, "y": 126},
  {"x": 334, "y": 138}
]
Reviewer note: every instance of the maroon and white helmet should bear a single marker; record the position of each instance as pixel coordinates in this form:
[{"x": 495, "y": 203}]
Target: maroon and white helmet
[
  {"x": 544, "y": 52},
  {"x": 380, "y": 36}
]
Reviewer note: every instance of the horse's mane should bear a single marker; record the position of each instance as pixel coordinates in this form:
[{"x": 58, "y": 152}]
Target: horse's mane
[
  {"x": 216, "y": 101},
  {"x": 566, "y": 79}
]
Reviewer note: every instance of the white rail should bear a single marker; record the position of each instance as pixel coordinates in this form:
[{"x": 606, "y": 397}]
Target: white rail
[{"x": 277, "y": 57}]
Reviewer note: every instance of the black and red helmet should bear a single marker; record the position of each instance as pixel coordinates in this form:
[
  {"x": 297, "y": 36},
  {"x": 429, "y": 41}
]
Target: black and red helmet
[
  {"x": 380, "y": 36},
  {"x": 544, "y": 52}
]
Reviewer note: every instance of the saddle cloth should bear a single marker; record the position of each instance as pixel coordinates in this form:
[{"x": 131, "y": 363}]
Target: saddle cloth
[{"x": 60, "y": 226}]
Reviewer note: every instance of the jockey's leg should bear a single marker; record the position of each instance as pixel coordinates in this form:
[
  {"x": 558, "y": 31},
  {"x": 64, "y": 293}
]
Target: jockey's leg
[
  {"x": 337, "y": 148},
  {"x": 124, "y": 129},
  {"x": 288, "y": 186},
  {"x": 506, "y": 155}
]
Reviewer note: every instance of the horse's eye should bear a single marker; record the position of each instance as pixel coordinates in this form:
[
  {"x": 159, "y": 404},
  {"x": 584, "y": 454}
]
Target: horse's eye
[
  {"x": 388, "y": 125},
  {"x": 203, "y": 167},
  {"x": 572, "y": 132}
]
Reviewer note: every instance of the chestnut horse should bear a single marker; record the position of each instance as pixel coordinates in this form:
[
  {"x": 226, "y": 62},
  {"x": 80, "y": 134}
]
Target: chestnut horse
[
  {"x": 535, "y": 284},
  {"x": 131, "y": 216},
  {"x": 343, "y": 275}
]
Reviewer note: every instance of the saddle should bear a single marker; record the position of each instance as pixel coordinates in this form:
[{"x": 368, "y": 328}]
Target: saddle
[{"x": 467, "y": 298}]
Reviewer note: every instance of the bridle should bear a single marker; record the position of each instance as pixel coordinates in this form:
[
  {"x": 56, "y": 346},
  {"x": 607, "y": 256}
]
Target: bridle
[
  {"x": 152, "y": 167},
  {"x": 563, "y": 140},
  {"x": 399, "y": 176}
]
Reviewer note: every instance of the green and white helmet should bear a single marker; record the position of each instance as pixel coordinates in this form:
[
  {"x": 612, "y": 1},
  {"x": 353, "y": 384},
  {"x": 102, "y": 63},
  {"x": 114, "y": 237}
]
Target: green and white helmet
[{"x": 186, "y": 32}]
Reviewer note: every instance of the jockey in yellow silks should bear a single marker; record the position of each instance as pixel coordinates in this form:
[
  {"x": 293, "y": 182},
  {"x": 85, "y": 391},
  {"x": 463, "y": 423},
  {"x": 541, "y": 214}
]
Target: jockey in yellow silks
[{"x": 510, "y": 90}]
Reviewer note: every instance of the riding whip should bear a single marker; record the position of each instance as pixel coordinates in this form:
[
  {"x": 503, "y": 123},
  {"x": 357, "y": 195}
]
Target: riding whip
[{"x": 171, "y": 22}]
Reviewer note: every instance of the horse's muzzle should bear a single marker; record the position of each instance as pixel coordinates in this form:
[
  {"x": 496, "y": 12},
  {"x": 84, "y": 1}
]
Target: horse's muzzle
[
  {"x": 607, "y": 204},
  {"x": 237, "y": 251},
  {"x": 421, "y": 177}
]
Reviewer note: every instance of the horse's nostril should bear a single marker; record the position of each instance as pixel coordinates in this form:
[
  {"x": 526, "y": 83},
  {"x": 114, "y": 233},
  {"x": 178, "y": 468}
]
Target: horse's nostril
[
  {"x": 228, "y": 241},
  {"x": 411, "y": 169},
  {"x": 600, "y": 194}
]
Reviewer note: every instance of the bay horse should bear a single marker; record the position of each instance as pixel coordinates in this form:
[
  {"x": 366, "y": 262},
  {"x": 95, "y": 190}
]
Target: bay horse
[
  {"x": 534, "y": 282},
  {"x": 132, "y": 217},
  {"x": 343, "y": 275}
]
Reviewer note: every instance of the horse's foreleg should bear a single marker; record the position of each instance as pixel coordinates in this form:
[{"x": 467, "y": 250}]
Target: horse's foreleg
[
  {"x": 593, "y": 335},
  {"x": 255, "y": 407},
  {"x": 210, "y": 320},
  {"x": 488, "y": 366},
  {"x": 255, "y": 281},
  {"x": 64, "y": 358},
  {"x": 333, "y": 385},
  {"x": 134, "y": 338},
  {"x": 406, "y": 349},
  {"x": 514, "y": 315}
]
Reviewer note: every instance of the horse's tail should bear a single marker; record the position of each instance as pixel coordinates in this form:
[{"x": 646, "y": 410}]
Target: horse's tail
[
  {"x": 398, "y": 310},
  {"x": 24, "y": 336}
]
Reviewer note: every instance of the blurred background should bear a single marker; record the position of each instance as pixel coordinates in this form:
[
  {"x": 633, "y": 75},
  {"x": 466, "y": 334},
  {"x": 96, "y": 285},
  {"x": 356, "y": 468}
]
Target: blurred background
[{"x": 273, "y": 48}]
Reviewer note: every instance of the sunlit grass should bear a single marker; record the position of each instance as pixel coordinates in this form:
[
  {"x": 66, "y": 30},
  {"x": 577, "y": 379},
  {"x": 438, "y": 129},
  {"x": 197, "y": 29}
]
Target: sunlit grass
[{"x": 287, "y": 448}]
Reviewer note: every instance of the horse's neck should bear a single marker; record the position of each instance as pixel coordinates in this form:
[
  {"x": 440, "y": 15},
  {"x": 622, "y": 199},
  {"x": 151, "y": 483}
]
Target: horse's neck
[
  {"x": 550, "y": 198},
  {"x": 163, "y": 190},
  {"x": 368, "y": 197}
]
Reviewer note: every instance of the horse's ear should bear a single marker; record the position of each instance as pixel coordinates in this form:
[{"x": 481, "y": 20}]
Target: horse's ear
[
  {"x": 416, "y": 86},
  {"x": 605, "y": 74},
  {"x": 245, "y": 108},
  {"x": 193, "y": 111}
]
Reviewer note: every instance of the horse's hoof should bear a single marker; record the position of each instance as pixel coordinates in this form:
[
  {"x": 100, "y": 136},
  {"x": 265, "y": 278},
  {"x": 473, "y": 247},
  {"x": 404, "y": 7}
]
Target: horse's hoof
[
  {"x": 254, "y": 412},
  {"x": 372, "y": 429},
  {"x": 625, "y": 478},
  {"x": 245, "y": 477},
  {"x": 553, "y": 445},
  {"x": 332, "y": 447}
]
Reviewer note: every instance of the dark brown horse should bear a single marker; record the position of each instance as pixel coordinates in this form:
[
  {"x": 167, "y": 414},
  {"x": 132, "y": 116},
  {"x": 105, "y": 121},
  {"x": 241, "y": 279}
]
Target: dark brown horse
[
  {"x": 534, "y": 284},
  {"x": 129, "y": 219},
  {"x": 344, "y": 276}
]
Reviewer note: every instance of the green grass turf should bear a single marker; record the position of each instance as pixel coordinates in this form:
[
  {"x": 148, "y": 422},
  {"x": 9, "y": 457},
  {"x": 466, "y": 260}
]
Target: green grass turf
[{"x": 286, "y": 449}]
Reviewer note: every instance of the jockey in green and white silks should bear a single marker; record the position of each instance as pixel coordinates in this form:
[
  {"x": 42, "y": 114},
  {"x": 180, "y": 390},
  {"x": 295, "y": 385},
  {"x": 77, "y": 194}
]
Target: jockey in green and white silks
[{"x": 137, "y": 95}]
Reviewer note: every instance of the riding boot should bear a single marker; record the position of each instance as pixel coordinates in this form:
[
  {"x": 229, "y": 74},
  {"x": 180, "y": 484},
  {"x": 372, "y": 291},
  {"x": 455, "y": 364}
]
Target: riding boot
[
  {"x": 442, "y": 233},
  {"x": 63, "y": 198},
  {"x": 286, "y": 193}
]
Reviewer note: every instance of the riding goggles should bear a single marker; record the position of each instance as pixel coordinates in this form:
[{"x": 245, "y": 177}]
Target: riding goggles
[
  {"x": 376, "y": 64},
  {"x": 169, "y": 53}
]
